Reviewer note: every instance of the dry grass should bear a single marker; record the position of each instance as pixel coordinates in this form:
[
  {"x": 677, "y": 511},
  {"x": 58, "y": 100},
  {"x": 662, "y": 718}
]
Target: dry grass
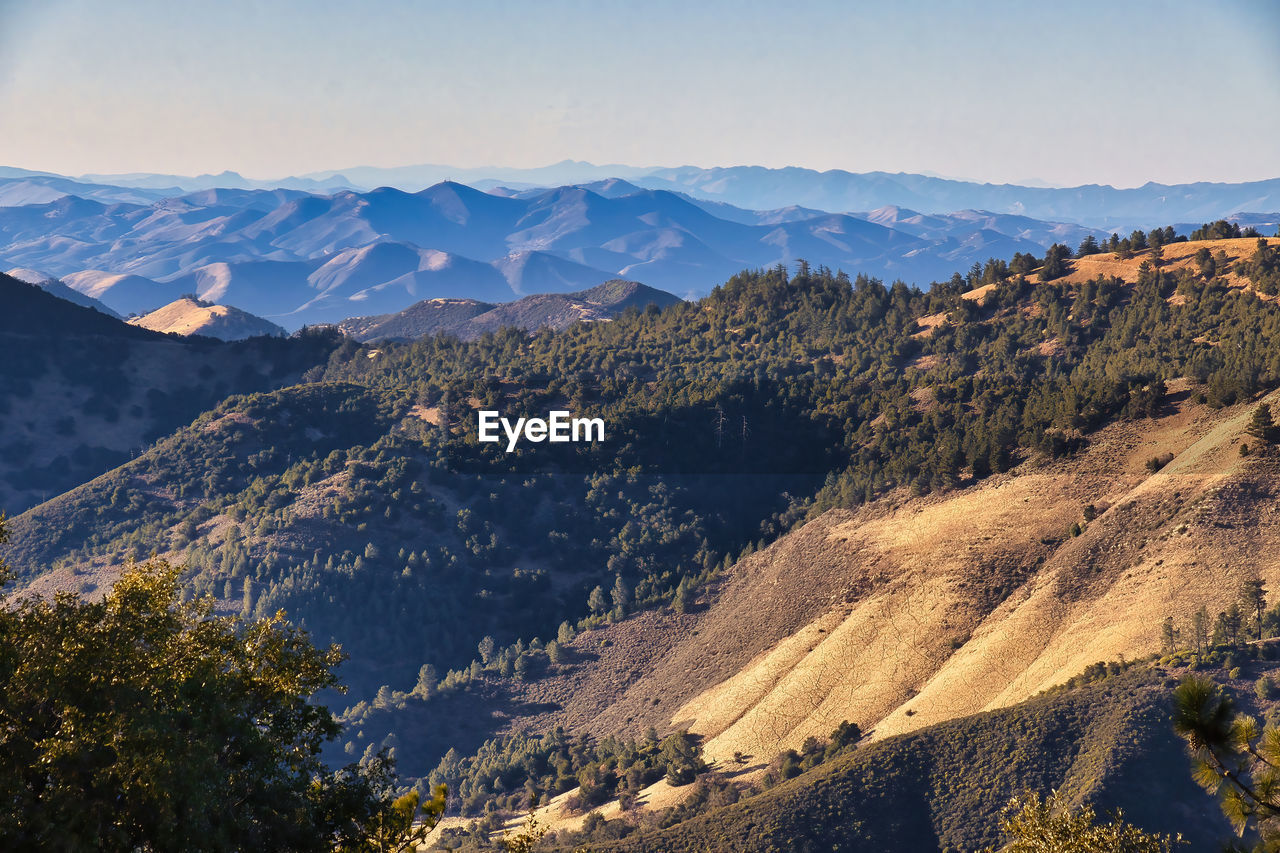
[
  {"x": 929, "y": 642},
  {"x": 1177, "y": 256}
]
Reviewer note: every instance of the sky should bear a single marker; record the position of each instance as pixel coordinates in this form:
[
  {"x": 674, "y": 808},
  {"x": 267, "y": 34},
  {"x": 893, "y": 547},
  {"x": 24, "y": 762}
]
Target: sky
[{"x": 1087, "y": 92}]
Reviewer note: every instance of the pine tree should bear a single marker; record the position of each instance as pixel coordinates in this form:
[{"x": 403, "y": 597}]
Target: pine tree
[
  {"x": 621, "y": 594},
  {"x": 486, "y": 649},
  {"x": 1253, "y": 594},
  {"x": 597, "y": 602},
  {"x": 1261, "y": 425},
  {"x": 1200, "y": 629},
  {"x": 1168, "y": 636}
]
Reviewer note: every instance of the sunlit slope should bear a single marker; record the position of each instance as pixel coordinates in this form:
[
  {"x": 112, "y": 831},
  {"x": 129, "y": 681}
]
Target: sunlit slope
[
  {"x": 187, "y": 316},
  {"x": 950, "y": 605}
]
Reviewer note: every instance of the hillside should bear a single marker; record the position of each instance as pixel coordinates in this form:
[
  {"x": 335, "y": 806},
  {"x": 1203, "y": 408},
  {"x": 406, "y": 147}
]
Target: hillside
[
  {"x": 84, "y": 392},
  {"x": 52, "y": 285},
  {"x": 818, "y": 500},
  {"x": 468, "y": 319},
  {"x": 914, "y": 610},
  {"x": 189, "y": 316},
  {"x": 944, "y": 786}
]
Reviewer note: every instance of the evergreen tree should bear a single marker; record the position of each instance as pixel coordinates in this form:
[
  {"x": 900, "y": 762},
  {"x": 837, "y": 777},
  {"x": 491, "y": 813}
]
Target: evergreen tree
[
  {"x": 1261, "y": 426},
  {"x": 486, "y": 649},
  {"x": 1253, "y": 595},
  {"x": 1232, "y": 757},
  {"x": 597, "y": 602},
  {"x": 621, "y": 594}
]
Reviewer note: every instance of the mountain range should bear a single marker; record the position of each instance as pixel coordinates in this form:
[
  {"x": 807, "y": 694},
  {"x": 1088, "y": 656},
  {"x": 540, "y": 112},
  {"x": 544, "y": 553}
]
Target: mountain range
[
  {"x": 752, "y": 187},
  {"x": 880, "y": 559},
  {"x": 295, "y": 258},
  {"x": 470, "y": 318}
]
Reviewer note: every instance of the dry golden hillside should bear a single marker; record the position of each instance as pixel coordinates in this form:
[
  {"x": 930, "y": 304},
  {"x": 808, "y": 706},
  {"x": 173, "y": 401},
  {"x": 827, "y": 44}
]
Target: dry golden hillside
[
  {"x": 912, "y": 611},
  {"x": 187, "y": 316},
  {"x": 1176, "y": 256}
]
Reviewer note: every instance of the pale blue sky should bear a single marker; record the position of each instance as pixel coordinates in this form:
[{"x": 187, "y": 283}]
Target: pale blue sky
[{"x": 1105, "y": 92}]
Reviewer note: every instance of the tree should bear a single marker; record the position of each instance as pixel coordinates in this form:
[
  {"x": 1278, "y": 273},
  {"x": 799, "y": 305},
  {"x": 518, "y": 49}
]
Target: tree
[
  {"x": 1235, "y": 621},
  {"x": 427, "y": 681},
  {"x": 1253, "y": 593},
  {"x": 1055, "y": 265},
  {"x": 397, "y": 824},
  {"x": 1261, "y": 425},
  {"x": 1204, "y": 260},
  {"x": 597, "y": 602},
  {"x": 1232, "y": 757},
  {"x": 142, "y": 722},
  {"x": 683, "y": 758},
  {"x": 1039, "y": 825},
  {"x": 1221, "y": 630},
  {"x": 486, "y": 648},
  {"x": 1168, "y": 636},
  {"x": 620, "y": 594},
  {"x": 1200, "y": 629}
]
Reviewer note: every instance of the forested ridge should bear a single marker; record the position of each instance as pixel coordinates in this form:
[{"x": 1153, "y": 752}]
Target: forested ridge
[{"x": 360, "y": 502}]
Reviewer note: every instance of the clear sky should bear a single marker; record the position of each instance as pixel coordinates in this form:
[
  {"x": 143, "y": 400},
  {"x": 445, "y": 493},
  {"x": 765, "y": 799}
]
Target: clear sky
[{"x": 1070, "y": 93}]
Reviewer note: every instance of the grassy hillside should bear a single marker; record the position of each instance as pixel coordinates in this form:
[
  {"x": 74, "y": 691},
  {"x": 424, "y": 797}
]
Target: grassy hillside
[
  {"x": 189, "y": 316},
  {"x": 943, "y": 788},
  {"x": 364, "y": 506}
]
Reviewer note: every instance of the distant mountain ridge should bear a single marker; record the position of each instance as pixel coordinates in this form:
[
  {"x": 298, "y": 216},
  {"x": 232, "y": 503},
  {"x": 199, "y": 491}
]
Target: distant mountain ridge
[
  {"x": 298, "y": 256},
  {"x": 1096, "y": 205},
  {"x": 752, "y": 187},
  {"x": 469, "y": 318},
  {"x": 295, "y": 258},
  {"x": 49, "y": 284}
]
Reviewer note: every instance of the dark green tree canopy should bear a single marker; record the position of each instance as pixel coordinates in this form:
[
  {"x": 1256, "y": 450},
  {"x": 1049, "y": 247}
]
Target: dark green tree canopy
[{"x": 142, "y": 722}]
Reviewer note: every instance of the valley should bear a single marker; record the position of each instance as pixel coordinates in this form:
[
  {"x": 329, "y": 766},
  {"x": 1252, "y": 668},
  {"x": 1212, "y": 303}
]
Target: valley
[{"x": 820, "y": 502}]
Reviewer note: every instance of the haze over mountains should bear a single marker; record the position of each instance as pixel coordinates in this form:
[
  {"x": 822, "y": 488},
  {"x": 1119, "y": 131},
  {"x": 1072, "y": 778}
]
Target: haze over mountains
[
  {"x": 754, "y": 187},
  {"x": 292, "y": 253}
]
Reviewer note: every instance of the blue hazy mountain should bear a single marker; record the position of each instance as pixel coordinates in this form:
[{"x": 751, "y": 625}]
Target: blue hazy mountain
[
  {"x": 295, "y": 257},
  {"x": 754, "y": 188},
  {"x": 1099, "y": 206}
]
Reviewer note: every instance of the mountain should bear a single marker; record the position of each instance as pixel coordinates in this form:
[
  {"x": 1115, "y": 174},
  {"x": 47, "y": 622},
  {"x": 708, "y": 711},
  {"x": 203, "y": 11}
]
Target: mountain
[
  {"x": 187, "y": 316},
  {"x": 944, "y": 787},
  {"x": 1096, "y": 206},
  {"x": 468, "y": 318},
  {"x": 84, "y": 392},
  {"x": 540, "y": 272},
  {"x": 41, "y": 189},
  {"x": 428, "y": 317},
  {"x": 928, "y": 514},
  {"x": 750, "y": 187},
  {"x": 378, "y": 277},
  {"x": 52, "y": 285},
  {"x": 414, "y": 178},
  {"x": 299, "y": 258},
  {"x": 123, "y": 293},
  {"x": 226, "y": 179}
]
